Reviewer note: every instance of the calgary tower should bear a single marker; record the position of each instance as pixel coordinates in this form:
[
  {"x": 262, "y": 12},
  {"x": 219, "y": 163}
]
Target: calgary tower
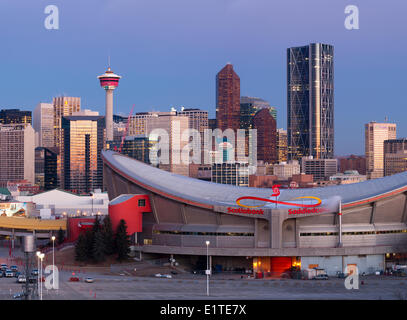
[{"x": 109, "y": 81}]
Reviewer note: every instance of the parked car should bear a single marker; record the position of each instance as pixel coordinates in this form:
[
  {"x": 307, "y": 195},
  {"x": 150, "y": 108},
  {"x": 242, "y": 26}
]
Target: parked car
[
  {"x": 17, "y": 274},
  {"x": 340, "y": 275},
  {"x": 159, "y": 275},
  {"x": 73, "y": 279},
  {"x": 32, "y": 279},
  {"x": 89, "y": 280},
  {"x": 9, "y": 273},
  {"x": 3, "y": 267},
  {"x": 21, "y": 279},
  {"x": 321, "y": 277},
  {"x": 13, "y": 268},
  {"x": 18, "y": 296},
  {"x": 34, "y": 272}
]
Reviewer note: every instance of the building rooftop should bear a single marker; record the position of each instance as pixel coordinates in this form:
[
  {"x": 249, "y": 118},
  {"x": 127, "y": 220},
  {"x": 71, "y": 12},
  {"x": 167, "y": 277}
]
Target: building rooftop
[{"x": 210, "y": 193}]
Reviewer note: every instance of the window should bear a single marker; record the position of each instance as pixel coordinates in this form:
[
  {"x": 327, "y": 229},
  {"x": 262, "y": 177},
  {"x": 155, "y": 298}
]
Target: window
[{"x": 142, "y": 202}]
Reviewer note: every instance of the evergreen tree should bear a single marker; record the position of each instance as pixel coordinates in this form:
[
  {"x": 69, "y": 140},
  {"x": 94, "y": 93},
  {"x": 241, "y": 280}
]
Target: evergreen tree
[
  {"x": 60, "y": 236},
  {"x": 96, "y": 225},
  {"x": 98, "y": 252},
  {"x": 81, "y": 250},
  {"x": 122, "y": 241},
  {"x": 89, "y": 239},
  {"x": 108, "y": 236}
]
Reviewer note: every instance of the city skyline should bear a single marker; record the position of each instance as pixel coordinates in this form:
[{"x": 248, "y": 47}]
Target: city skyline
[{"x": 182, "y": 69}]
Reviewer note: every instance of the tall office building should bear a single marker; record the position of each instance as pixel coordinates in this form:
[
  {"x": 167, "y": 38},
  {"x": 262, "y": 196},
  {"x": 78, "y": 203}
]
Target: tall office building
[
  {"x": 265, "y": 124},
  {"x": 228, "y": 99},
  {"x": 17, "y": 116},
  {"x": 248, "y": 108},
  {"x": 310, "y": 101},
  {"x": 43, "y": 124},
  {"x": 198, "y": 120},
  {"x": 138, "y": 147},
  {"x": 82, "y": 167},
  {"x": 17, "y": 145},
  {"x": 375, "y": 135},
  {"x": 174, "y": 126},
  {"x": 282, "y": 145},
  {"x": 63, "y": 106},
  {"x": 45, "y": 168},
  {"x": 395, "y": 156}
]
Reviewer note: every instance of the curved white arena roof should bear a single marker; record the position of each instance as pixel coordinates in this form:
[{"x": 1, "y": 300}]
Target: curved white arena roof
[{"x": 210, "y": 193}]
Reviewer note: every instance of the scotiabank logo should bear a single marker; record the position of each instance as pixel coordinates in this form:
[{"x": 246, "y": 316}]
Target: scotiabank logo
[
  {"x": 276, "y": 193},
  {"x": 247, "y": 211},
  {"x": 306, "y": 211}
]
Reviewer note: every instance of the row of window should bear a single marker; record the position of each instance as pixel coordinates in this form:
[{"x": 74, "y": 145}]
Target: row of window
[
  {"x": 355, "y": 233},
  {"x": 217, "y": 234}
]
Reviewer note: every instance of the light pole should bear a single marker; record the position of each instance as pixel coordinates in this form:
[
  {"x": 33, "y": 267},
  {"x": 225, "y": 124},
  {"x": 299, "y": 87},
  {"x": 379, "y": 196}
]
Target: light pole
[
  {"x": 92, "y": 203},
  {"x": 38, "y": 270},
  {"x": 41, "y": 257},
  {"x": 53, "y": 260},
  {"x": 207, "y": 267}
]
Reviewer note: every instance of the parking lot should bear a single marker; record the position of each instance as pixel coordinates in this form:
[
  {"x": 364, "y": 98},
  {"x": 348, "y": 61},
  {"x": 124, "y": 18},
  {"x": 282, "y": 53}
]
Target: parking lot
[{"x": 136, "y": 288}]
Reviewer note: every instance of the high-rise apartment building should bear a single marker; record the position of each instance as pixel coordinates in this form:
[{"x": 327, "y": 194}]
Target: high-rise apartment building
[
  {"x": 282, "y": 145},
  {"x": 395, "y": 156},
  {"x": 174, "y": 126},
  {"x": 375, "y": 135},
  {"x": 321, "y": 169},
  {"x": 45, "y": 168},
  {"x": 231, "y": 173},
  {"x": 310, "y": 101},
  {"x": 228, "y": 99},
  {"x": 352, "y": 162},
  {"x": 17, "y": 116},
  {"x": 17, "y": 143},
  {"x": 43, "y": 124},
  {"x": 82, "y": 167},
  {"x": 285, "y": 170}
]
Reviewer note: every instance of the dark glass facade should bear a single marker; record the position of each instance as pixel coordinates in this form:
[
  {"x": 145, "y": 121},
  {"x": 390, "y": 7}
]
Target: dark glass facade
[
  {"x": 310, "y": 101},
  {"x": 138, "y": 147},
  {"x": 45, "y": 168},
  {"x": 10, "y": 116}
]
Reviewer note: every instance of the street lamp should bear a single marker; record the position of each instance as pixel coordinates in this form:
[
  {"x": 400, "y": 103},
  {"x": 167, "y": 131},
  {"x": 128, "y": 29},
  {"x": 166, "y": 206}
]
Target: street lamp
[
  {"x": 41, "y": 257},
  {"x": 38, "y": 268},
  {"x": 53, "y": 260},
  {"x": 207, "y": 267}
]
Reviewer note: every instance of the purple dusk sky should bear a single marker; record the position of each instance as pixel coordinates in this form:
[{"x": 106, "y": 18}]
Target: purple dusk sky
[{"x": 168, "y": 53}]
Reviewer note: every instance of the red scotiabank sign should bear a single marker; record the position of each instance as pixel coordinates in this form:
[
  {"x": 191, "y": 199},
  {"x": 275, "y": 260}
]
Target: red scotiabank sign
[
  {"x": 243, "y": 210},
  {"x": 305, "y": 208}
]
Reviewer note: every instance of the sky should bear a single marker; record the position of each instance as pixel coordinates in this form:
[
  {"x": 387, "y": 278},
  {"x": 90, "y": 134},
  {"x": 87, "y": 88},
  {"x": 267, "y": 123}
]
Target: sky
[{"x": 168, "y": 54}]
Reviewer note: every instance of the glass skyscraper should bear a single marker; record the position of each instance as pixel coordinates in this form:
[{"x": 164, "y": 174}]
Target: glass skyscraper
[
  {"x": 83, "y": 141},
  {"x": 310, "y": 101}
]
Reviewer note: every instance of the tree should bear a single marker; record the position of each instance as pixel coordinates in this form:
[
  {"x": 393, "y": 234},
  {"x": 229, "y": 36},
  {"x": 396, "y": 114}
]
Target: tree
[
  {"x": 122, "y": 241},
  {"x": 89, "y": 239},
  {"x": 96, "y": 225},
  {"x": 108, "y": 236},
  {"x": 81, "y": 250},
  {"x": 60, "y": 236},
  {"x": 98, "y": 251}
]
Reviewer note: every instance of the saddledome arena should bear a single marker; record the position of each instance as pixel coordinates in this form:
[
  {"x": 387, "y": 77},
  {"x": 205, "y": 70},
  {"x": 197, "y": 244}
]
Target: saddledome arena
[{"x": 176, "y": 215}]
